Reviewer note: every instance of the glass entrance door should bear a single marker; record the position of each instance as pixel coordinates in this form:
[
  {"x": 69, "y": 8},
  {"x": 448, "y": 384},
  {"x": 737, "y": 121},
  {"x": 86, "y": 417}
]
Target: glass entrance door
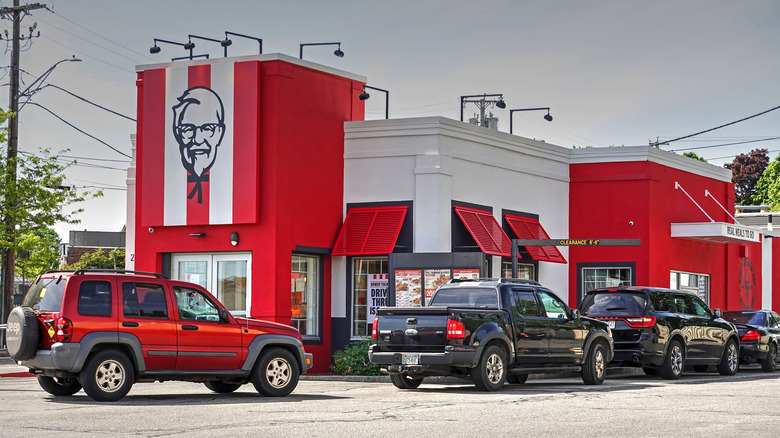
[{"x": 225, "y": 275}]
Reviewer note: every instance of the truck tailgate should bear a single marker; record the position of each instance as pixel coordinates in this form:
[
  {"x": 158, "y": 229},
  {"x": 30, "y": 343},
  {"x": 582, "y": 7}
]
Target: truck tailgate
[{"x": 412, "y": 329}]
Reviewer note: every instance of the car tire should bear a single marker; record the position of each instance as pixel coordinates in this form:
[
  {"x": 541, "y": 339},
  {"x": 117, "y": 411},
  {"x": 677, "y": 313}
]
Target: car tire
[
  {"x": 59, "y": 386},
  {"x": 402, "y": 381},
  {"x": 490, "y": 373},
  {"x": 107, "y": 376},
  {"x": 22, "y": 332},
  {"x": 650, "y": 371},
  {"x": 729, "y": 364},
  {"x": 674, "y": 361},
  {"x": 594, "y": 370},
  {"x": 701, "y": 368},
  {"x": 769, "y": 364},
  {"x": 276, "y": 372},
  {"x": 222, "y": 387},
  {"x": 516, "y": 379}
]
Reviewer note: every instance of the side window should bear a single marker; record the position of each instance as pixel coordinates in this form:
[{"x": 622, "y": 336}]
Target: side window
[
  {"x": 144, "y": 300},
  {"x": 775, "y": 320},
  {"x": 194, "y": 305},
  {"x": 525, "y": 303},
  {"x": 553, "y": 306},
  {"x": 662, "y": 301},
  {"x": 699, "y": 308},
  {"x": 95, "y": 298},
  {"x": 681, "y": 306}
]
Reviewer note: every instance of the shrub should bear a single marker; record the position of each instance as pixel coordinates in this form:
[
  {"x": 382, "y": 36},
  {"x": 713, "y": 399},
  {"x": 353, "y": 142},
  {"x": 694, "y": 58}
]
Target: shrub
[{"x": 353, "y": 361}]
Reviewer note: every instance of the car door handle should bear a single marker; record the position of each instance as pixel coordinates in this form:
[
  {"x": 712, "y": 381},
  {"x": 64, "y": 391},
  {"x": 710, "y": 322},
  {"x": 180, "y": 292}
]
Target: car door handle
[
  {"x": 189, "y": 327},
  {"x": 129, "y": 324}
]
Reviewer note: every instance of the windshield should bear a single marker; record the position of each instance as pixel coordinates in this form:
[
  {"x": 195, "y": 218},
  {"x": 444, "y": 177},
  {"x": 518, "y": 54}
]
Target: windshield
[
  {"x": 613, "y": 303},
  {"x": 46, "y": 295},
  {"x": 749, "y": 318},
  {"x": 466, "y": 297}
]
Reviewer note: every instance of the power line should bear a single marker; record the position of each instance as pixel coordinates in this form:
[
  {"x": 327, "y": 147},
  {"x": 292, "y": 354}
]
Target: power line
[
  {"x": 89, "y": 102},
  {"x": 88, "y": 56},
  {"x": 724, "y": 144},
  {"x": 717, "y": 127},
  {"x": 80, "y": 130}
]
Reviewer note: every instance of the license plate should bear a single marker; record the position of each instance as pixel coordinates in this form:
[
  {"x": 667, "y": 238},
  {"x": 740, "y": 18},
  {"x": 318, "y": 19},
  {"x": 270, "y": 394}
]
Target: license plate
[
  {"x": 611, "y": 324},
  {"x": 410, "y": 359}
]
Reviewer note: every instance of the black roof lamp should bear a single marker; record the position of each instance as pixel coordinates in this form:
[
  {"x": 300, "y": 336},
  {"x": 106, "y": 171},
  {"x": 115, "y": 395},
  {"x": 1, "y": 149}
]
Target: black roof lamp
[
  {"x": 337, "y": 52},
  {"x": 547, "y": 117}
]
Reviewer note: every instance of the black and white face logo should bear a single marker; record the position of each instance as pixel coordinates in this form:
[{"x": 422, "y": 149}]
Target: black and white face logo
[{"x": 198, "y": 125}]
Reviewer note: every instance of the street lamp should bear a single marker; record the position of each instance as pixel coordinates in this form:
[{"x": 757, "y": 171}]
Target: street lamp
[
  {"x": 482, "y": 102},
  {"x": 547, "y": 117},
  {"x": 29, "y": 91},
  {"x": 337, "y": 52},
  {"x": 364, "y": 96}
]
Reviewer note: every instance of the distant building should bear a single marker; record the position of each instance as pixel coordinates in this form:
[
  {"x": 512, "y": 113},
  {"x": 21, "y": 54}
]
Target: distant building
[{"x": 81, "y": 242}]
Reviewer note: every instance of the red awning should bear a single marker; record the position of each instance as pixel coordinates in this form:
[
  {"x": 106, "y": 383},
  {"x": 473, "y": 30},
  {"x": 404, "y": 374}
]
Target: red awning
[
  {"x": 529, "y": 228},
  {"x": 485, "y": 230},
  {"x": 370, "y": 231}
]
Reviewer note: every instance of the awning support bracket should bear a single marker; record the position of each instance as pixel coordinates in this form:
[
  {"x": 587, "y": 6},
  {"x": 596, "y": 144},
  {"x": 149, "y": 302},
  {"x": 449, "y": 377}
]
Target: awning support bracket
[{"x": 678, "y": 186}]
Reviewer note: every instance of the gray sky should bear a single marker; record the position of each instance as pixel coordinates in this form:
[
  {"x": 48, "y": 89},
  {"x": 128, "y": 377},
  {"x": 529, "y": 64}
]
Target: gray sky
[{"x": 614, "y": 72}]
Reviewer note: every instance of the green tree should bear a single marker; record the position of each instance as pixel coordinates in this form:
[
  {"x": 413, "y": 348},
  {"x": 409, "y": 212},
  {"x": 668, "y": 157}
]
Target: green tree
[
  {"x": 39, "y": 252},
  {"x": 694, "y": 156},
  {"x": 767, "y": 191},
  {"x": 32, "y": 198},
  {"x": 100, "y": 259}
]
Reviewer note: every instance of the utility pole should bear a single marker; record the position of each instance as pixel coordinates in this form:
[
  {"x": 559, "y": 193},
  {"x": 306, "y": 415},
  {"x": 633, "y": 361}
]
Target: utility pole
[{"x": 9, "y": 255}]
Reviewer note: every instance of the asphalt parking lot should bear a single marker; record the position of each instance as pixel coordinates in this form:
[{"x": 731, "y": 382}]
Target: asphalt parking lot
[{"x": 629, "y": 405}]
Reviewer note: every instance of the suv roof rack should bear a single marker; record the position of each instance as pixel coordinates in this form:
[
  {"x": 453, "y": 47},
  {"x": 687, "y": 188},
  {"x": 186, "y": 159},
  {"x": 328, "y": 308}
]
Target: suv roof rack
[
  {"x": 120, "y": 271},
  {"x": 519, "y": 281}
]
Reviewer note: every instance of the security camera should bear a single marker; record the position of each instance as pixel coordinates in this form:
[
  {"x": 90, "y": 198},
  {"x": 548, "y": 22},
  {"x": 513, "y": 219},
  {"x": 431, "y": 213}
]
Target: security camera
[
  {"x": 630, "y": 223},
  {"x": 151, "y": 229}
]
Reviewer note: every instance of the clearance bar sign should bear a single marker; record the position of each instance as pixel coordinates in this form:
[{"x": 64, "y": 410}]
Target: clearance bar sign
[{"x": 577, "y": 242}]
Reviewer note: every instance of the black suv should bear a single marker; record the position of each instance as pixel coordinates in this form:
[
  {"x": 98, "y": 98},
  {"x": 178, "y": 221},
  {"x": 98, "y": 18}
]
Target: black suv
[{"x": 662, "y": 330}]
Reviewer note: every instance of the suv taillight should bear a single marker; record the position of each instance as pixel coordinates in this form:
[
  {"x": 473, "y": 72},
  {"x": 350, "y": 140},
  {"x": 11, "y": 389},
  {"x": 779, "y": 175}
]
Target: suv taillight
[
  {"x": 751, "y": 335},
  {"x": 64, "y": 330},
  {"x": 374, "y": 328},
  {"x": 640, "y": 321},
  {"x": 455, "y": 329}
]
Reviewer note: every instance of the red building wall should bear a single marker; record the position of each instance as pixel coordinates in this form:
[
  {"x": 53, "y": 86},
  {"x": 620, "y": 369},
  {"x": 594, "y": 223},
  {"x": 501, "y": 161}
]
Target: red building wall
[
  {"x": 606, "y": 197},
  {"x": 299, "y": 138}
]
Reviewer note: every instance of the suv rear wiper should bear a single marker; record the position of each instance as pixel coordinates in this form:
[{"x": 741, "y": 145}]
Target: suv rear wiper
[{"x": 615, "y": 308}]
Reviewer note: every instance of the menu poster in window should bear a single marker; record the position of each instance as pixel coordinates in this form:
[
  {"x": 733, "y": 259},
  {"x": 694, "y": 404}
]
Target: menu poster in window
[
  {"x": 433, "y": 279},
  {"x": 408, "y": 289},
  {"x": 377, "y": 293},
  {"x": 465, "y": 274}
]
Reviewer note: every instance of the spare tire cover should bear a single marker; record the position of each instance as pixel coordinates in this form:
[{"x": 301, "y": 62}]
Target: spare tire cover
[{"x": 21, "y": 334}]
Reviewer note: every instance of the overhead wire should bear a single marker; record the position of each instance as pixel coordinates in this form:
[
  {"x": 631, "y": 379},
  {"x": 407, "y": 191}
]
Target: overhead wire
[{"x": 721, "y": 126}]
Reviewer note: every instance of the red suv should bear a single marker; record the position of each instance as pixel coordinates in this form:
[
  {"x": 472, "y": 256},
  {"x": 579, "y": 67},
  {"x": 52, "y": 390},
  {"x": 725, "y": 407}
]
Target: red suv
[{"x": 105, "y": 330}]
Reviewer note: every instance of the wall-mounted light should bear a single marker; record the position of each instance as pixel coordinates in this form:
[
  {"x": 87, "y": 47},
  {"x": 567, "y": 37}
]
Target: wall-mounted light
[
  {"x": 364, "y": 96},
  {"x": 221, "y": 42},
  {"x": 234, "y": 238},
  {"x": 226, "y": 42},
  {"x": 189, "y": 45},
  {"x": 337, "y": 52},
  {"x": 547, "y": 117}
]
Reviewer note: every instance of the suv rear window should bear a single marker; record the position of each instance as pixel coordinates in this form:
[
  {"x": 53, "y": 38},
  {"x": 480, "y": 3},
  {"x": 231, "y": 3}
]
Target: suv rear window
[
  {"x": 466, "y": 297},
  {"x": 46, "y": 294},
  {"x": 614, "y": 303}
]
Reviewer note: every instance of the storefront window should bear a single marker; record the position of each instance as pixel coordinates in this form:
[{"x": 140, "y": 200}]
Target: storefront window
[
  {"x": 594, "y": 278},
  {"x": 225, "y": 275},
  {"x": 369, "y": 291},
  {"x": 696, "y": 283},
  {"x": 305, "y": 294},
  {"x": 526, "y": 272}
]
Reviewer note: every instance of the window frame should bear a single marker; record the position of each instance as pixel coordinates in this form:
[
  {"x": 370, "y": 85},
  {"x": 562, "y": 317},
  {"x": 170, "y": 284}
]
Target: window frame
[{"x": 317, "y": 293}]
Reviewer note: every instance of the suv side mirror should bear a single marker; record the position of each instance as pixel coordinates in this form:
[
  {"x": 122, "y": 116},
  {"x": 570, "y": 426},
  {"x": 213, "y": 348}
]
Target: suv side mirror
[
  {"x": 718, "y": 313},
  {"x": 575, "y": 314},
  {"x": 223, "y": 315}
]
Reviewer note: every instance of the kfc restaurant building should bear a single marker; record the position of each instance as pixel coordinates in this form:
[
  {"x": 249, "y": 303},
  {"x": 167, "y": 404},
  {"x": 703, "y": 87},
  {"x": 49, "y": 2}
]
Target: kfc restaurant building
[{"x": 257, "y": 178}]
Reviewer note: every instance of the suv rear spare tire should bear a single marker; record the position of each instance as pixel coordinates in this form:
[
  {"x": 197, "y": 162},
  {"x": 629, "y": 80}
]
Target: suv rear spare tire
[{"x": 22, "y": 333}]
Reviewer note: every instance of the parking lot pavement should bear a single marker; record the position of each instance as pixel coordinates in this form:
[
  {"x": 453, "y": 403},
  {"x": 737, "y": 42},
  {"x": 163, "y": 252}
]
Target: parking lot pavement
[{"x": 9, "y": 368}]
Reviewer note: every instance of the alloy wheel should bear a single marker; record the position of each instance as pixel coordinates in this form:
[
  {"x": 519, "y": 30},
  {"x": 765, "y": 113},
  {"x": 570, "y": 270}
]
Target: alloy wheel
[{"x": 278, "y": 372}]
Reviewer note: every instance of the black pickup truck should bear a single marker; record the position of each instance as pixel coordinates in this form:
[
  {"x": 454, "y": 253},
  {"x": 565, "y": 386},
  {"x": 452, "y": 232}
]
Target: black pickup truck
[{"x": 492, "y": 331}]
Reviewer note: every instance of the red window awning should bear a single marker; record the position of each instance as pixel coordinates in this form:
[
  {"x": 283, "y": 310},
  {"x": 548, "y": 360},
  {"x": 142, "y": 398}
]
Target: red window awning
[
  {"x": 529, "y": 228},
  {"x": 485, "y": 230},
  {"x": 370, "y": 231}
]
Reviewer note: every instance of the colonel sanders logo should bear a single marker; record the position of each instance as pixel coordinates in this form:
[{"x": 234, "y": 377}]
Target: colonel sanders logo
[{"x": 198, "y": 126}]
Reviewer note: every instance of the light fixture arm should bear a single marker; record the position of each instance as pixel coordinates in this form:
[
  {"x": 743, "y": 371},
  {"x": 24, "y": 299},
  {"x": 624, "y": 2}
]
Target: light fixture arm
[
  {"x": 338, "y": 51},
  {"x": 187, "y": 46},
  {"x": 548, "y": 117},
  {"x": 42, "y": 78},
  {"x": 387, "y": 98},
  {"x": 227, "y": 42},
  {"x": 208, "y": 39}
]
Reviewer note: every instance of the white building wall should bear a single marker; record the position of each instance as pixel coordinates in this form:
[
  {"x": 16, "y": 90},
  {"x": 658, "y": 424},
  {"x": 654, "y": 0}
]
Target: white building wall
[{"x": 432, "y": 161}]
